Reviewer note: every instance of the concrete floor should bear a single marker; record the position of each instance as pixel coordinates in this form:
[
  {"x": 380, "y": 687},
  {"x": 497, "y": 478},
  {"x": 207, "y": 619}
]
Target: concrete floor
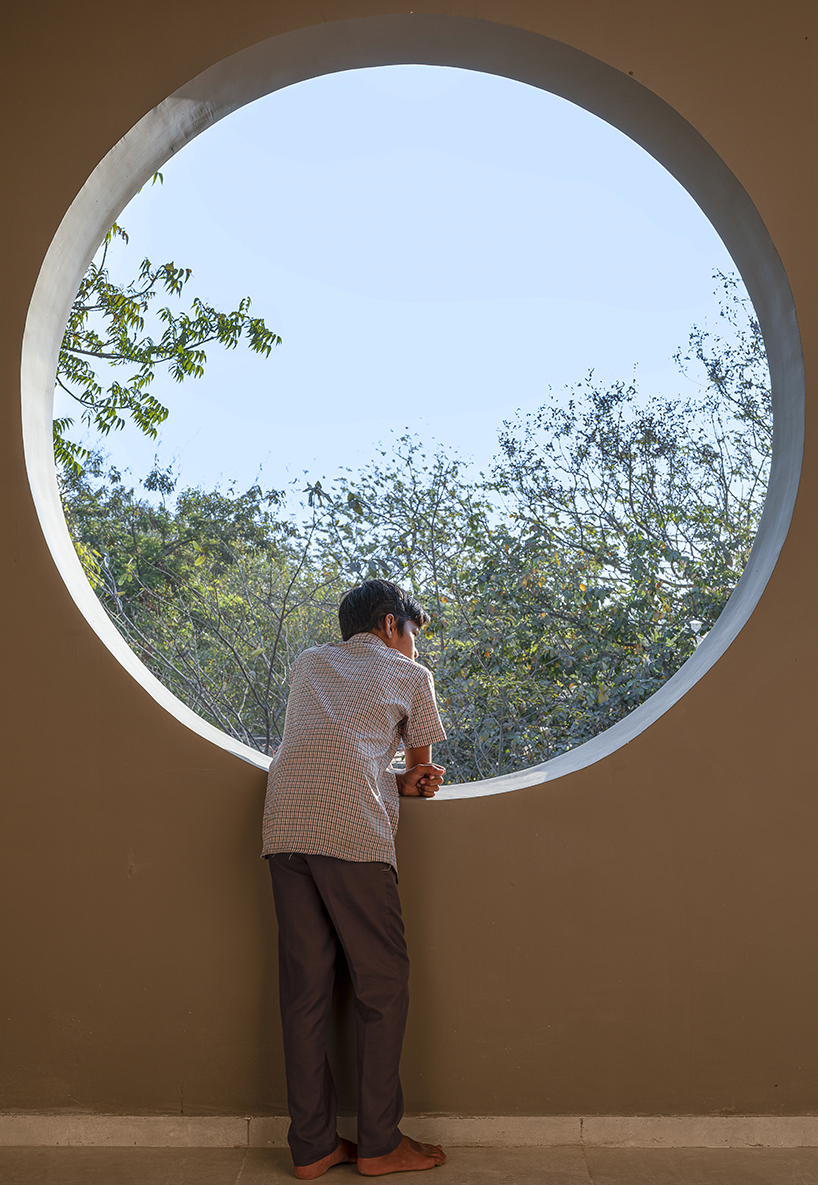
[{"x": 466, "y": 1166}]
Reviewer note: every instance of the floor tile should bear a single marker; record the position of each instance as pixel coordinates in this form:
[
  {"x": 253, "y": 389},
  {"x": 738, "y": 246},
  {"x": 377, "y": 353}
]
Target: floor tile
[
  {"x": 121, "y": 1166},
  {"x": 465, "y": 1166},
  {"x": 512, "y": 1166},
  {"x": 703, "y": 1166},
  {"x": 271, "y": 1166}
]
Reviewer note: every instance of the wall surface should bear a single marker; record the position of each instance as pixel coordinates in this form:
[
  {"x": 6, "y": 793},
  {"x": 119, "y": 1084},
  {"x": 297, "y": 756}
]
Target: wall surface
[{"x": 634, "y": 937}]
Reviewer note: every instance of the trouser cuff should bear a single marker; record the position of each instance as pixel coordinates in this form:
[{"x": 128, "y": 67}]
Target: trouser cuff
[
  {"x": 302, "y": 1158},
  {"x": 367, "y": 1152}
]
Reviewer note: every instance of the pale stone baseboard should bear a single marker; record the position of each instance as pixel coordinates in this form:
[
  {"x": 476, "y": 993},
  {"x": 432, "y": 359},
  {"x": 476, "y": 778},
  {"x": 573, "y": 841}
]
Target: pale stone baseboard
[{"x": 498, "y": 1131}]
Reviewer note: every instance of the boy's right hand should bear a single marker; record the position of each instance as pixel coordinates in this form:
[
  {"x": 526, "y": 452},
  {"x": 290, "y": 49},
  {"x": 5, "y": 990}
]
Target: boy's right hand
[{"x": 421, "y": 781}]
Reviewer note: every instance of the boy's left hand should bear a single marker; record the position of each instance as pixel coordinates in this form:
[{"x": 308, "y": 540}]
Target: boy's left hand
[{"x": 421, "y": 781}]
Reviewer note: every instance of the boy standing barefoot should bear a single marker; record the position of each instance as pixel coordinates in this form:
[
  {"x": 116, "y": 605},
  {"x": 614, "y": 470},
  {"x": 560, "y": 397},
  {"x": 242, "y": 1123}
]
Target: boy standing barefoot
[{"x": 330, "y": 819}]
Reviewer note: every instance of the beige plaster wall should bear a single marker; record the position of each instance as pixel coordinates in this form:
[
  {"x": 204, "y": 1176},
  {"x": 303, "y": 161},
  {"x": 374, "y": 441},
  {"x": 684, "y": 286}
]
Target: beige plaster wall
[{"x": 635, "y": 937}]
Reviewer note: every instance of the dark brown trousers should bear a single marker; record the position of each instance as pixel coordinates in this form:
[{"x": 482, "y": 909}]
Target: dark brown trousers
[{"x": 322, "y": 902}]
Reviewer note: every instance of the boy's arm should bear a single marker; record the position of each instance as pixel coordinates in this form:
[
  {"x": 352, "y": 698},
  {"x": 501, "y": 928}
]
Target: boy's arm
[{"x": 422, "y": 778}]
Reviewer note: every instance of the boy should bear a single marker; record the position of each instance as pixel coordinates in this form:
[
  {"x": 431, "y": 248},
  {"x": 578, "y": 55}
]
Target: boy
[{"x": 330, "y": 819}]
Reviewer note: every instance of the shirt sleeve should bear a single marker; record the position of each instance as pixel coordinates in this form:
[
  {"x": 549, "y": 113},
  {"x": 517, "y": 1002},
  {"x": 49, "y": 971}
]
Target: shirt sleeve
[{"x": 423, "y": 726}]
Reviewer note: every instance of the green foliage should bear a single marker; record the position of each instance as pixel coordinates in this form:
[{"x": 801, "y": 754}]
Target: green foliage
[
  {"x": 213, "y": 592},
  {"x": 565, "y": 587},
  {"x": 107, "y": 327}
]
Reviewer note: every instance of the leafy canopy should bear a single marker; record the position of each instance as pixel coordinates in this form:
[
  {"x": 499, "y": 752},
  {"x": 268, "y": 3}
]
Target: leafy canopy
[
  {"x": 108, "y": 327},
  {"x": 565, "y": 587}
]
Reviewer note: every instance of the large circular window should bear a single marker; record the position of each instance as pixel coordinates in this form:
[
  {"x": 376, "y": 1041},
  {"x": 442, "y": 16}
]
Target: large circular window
[{"x": 529, "y": 563}]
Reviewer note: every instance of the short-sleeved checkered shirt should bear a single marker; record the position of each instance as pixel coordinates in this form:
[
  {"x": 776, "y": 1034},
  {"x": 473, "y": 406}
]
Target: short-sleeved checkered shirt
[{"x": 330, "y": 789}]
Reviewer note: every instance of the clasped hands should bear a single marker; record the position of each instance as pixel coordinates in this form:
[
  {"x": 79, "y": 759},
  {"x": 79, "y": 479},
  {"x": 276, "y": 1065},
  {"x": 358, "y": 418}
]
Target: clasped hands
[{"x": 421, "y": 781}]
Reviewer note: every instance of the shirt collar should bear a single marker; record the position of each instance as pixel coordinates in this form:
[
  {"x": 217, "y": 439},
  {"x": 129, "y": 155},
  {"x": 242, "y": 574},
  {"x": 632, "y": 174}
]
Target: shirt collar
[{"x": 371, "y": 639}]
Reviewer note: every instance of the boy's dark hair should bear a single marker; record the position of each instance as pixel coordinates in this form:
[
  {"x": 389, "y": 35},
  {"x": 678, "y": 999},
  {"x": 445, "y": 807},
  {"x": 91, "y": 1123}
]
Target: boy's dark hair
[{"x": 364, "y": 608}]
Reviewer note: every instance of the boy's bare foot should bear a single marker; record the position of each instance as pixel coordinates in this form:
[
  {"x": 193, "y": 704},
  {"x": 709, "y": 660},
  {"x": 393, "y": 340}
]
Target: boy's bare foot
[
  {"x": 345, "y": 1153},
  {"x": 408, "y": 1155}
]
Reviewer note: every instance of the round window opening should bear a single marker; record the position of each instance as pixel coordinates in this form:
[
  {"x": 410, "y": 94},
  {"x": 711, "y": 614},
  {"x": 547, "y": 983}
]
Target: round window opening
[{"x": 574, "y": 528}]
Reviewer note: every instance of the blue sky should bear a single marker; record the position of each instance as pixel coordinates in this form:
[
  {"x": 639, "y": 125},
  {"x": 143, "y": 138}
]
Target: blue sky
[{"x": 436, "y": 247}]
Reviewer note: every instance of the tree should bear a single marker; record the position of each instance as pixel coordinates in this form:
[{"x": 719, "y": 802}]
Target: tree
[
  {"x": 107, "y": 327},
  {"x": 575, "y": 581},
  {"x": 662, "y": 498},
  {"x": 213, "y": 591},
  {"x": 565, "y": 587}
]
